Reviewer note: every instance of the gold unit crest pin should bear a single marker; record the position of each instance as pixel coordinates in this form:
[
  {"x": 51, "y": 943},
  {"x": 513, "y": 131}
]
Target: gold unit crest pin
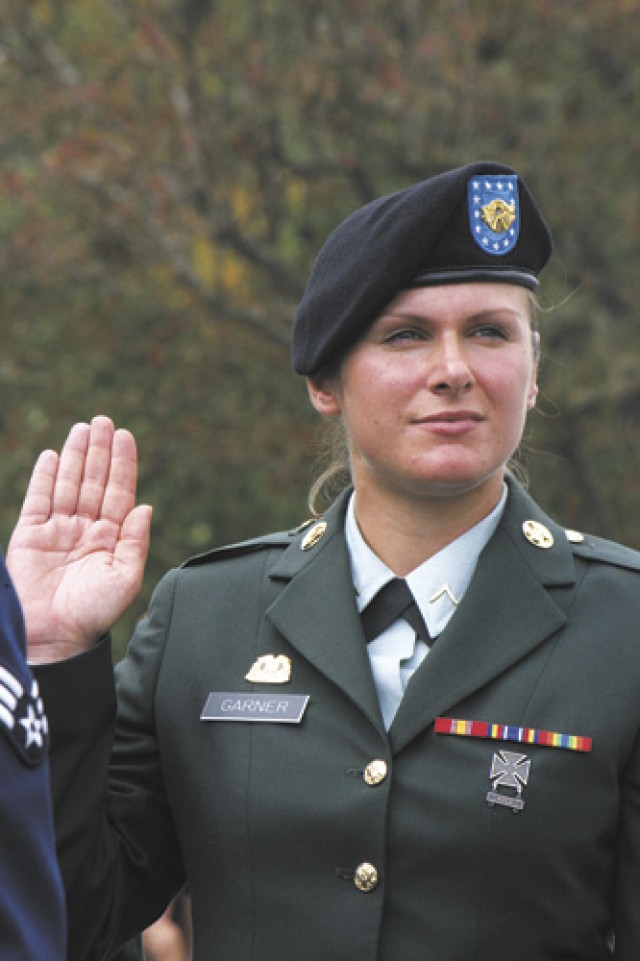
[{"x": 270, "y": 669}]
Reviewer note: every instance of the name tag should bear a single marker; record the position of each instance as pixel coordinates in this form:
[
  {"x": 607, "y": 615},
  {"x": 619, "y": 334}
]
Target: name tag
[{"x": 273, "y": 708}]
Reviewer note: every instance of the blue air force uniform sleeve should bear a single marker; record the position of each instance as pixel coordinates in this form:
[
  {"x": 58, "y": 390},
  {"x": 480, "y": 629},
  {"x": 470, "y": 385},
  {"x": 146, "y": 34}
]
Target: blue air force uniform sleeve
[{"x": 31, "y": 899}]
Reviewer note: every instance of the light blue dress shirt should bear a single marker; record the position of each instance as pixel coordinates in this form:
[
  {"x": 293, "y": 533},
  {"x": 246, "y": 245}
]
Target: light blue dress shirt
[{"x": 438, "y": 585}]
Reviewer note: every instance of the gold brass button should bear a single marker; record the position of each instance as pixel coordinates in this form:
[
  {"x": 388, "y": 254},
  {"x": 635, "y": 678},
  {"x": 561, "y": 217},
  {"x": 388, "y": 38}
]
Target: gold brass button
[
  {"x": 365, "y": 877},
  {"x": 375, "y": 772},
  {"x": 537, "y": 534},
  {"x": 574, "y": 537}
]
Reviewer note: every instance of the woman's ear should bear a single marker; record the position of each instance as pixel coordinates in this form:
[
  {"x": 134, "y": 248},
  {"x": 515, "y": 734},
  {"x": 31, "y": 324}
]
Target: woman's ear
[
  {"x": 324, "y": 395},
  {"x": 533, "y": 389},
  {"x": 535, "y": 343}
]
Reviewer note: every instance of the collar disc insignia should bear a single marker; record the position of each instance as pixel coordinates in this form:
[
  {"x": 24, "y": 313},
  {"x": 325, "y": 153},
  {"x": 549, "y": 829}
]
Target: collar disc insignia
[
  {"x": 314, "y": 535},
  {"x": 537, "y": 534}
]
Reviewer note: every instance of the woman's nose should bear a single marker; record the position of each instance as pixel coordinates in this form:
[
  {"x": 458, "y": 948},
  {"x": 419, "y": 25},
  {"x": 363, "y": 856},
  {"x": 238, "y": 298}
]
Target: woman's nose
[{"x": 450, "y": 369}]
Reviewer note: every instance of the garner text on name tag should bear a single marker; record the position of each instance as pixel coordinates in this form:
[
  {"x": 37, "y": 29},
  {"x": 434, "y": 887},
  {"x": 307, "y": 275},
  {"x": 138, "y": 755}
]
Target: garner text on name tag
[{"x": 239, "y": 706}]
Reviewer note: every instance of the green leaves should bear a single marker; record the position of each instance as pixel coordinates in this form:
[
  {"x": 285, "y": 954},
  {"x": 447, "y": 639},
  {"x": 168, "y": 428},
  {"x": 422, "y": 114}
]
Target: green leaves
[{"x": 169, "y": 171}]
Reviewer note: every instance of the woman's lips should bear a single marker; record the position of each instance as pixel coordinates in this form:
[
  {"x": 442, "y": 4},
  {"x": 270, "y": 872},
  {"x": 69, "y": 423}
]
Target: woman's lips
[{"x": 450, "y": 423}]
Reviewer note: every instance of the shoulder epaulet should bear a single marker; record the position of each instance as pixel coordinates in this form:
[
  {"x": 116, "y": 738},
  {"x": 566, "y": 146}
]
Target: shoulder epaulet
[
  {"x": 279, "y": 539},
  {"x": 595, "y": 548}
]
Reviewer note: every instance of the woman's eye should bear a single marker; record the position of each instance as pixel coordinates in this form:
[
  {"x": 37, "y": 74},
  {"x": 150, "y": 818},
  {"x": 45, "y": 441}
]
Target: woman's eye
[
  {"x": 404, "y": 334},
  {"x": 491, "y": 331}
]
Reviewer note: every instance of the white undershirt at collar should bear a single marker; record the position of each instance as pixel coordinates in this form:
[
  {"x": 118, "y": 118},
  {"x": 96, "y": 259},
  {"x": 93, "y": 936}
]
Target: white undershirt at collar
[
  {"x": 438, "y": 585},
  {"x": 451, "y": 568}
]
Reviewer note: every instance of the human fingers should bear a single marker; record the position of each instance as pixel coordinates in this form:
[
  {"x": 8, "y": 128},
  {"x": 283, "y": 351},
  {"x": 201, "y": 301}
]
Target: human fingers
[
  {"x": 120, "y": 491},
  {"x": 37, "y": 502},
  {"x": 70, "y": 470},
  {"x": 96, "y": 467},
  {"x": 133, "y": 546}
]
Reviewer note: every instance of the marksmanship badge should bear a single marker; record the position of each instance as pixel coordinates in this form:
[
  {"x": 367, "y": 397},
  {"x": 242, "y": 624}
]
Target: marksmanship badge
[
  {"x": 494, "y": 213},
  {"x": 509, "y": 770}
]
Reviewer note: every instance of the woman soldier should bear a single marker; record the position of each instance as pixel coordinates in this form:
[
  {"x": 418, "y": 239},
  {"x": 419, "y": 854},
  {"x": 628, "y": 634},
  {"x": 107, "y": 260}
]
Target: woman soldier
[{"x": 445, "y": 769}]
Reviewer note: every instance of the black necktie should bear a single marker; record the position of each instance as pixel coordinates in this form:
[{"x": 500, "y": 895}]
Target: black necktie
[{"x": 393, "y": 601}]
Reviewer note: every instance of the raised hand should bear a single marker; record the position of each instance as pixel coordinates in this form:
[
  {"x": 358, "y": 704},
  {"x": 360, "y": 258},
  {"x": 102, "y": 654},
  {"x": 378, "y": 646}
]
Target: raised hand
[{"x": 78, "y": 552}]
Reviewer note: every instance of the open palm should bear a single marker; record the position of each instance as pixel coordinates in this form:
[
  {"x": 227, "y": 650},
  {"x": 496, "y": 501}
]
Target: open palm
[{"x": 78, "y": 551}]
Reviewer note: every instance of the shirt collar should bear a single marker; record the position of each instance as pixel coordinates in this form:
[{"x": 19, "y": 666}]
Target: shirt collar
[{"x": 439, "y": 583}]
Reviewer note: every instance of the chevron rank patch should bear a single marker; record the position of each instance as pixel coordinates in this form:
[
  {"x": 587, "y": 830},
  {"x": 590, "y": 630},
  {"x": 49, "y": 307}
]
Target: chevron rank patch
[{"x": 22, "y": 717}]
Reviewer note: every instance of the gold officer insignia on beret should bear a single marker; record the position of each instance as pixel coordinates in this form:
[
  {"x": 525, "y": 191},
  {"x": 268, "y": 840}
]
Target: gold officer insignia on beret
[
  {"x": 574, "y": 537},
  {"x": 537, "y": 534},
  {"x": 499, "y": 215},
  {"x": 315, "y": 534},
  {"x": 270, "y": 669}
]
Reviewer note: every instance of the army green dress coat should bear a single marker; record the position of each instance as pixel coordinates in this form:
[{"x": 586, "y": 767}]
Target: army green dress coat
[{"x": 293, "y": 844}]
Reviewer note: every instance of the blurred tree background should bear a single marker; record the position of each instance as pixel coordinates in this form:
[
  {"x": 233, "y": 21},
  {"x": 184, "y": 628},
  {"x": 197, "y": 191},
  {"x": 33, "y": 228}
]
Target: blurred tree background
[{"x": 169, "y": 168}]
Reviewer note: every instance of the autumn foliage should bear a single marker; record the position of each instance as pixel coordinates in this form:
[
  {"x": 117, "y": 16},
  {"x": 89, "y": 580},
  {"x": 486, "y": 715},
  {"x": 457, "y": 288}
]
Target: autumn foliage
[{"x": 168, "y": 170}]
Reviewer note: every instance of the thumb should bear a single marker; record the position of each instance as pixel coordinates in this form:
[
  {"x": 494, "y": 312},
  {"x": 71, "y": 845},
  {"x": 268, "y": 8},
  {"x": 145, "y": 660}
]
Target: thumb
[{"x": 133, "y": 545}]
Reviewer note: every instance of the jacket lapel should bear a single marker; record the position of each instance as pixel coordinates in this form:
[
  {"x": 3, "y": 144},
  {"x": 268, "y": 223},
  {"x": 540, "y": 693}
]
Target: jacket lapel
[
  {"x": 508, "y": 610},
  {"x": 512, "y": 605},
  {"x": 316, "y": 612}
]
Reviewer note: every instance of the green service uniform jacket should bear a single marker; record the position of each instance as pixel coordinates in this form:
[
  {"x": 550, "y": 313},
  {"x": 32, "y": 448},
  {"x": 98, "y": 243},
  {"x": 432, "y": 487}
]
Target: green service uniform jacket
[{"x": 293, "y": 844}]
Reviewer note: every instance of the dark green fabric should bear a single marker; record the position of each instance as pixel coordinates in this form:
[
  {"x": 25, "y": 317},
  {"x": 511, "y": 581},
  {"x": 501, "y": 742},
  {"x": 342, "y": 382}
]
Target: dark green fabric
[{"x": 268, "y": 822}]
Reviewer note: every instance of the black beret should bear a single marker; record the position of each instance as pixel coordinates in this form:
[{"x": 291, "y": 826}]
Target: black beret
[{"x": 475, "y": 223}]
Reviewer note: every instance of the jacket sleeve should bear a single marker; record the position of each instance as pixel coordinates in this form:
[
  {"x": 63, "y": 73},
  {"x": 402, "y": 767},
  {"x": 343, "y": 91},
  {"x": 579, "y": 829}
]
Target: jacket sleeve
[
  {"x": 117, "y": 846},
  {"x": 627, "y": 893}
]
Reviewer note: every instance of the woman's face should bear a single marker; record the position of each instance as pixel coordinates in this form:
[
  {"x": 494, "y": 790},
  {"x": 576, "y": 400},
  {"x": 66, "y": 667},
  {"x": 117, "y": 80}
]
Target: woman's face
[{"x": 435, "y": 395}]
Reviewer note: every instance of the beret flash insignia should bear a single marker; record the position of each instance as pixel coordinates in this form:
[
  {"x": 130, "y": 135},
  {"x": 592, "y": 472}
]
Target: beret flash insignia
[{"x": 494, "y": 213}]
